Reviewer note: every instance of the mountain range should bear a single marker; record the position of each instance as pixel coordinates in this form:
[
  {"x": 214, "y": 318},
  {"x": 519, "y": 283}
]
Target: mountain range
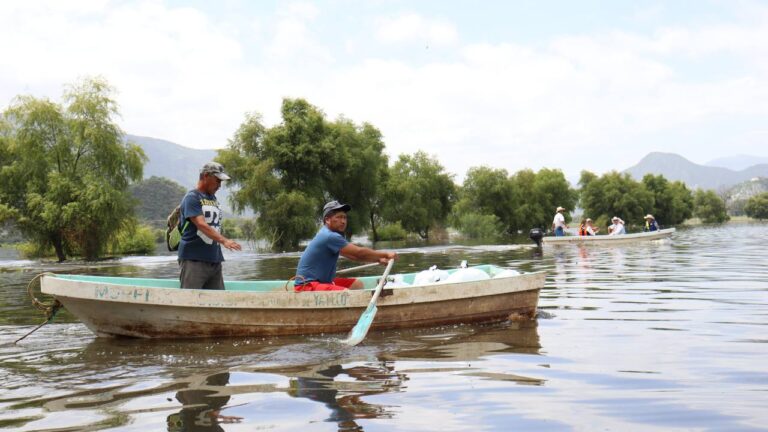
[{"x": 695, "y": 176}]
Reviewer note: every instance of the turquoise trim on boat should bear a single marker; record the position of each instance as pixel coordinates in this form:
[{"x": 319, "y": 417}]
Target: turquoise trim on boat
[{"x": 369, "y": 282}]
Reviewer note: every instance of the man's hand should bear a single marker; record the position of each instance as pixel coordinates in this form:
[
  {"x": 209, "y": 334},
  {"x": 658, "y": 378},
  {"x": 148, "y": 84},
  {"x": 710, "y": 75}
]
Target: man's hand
[{"x": 232, "y": 245}]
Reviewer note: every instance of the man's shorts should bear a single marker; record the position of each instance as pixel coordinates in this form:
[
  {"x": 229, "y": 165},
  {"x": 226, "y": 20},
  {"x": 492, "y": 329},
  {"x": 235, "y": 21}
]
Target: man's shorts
[{"x": 337, "y": 285}]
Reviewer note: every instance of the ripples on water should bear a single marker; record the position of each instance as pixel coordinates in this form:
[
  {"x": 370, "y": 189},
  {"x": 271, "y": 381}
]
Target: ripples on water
[{"x": 664, "y": 335}]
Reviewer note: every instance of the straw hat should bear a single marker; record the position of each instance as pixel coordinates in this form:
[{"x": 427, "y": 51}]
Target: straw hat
[
  {"x": 559, "y": 209},
  {"x": 648, "y": 216}
]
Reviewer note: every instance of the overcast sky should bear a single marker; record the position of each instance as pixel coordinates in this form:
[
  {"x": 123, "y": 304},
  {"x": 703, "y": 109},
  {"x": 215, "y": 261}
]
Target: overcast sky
[{"x": 573, "y": 85}]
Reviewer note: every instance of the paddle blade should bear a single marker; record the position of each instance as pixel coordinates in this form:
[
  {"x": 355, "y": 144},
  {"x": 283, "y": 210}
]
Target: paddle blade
[{"x": 358, "y": 332}]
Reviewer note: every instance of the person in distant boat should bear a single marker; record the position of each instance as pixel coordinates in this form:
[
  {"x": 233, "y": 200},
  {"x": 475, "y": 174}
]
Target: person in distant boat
[
  {"x": 200, "y": 254},
  {"x": 587, "y": 228},
  {"x": 317, "y": 266},
  {"x": 650, "y": 223},
  {"x": 591, "y": 228},
  {"x": 617, "y": 227},
  {"x": 558, "y": 223}
]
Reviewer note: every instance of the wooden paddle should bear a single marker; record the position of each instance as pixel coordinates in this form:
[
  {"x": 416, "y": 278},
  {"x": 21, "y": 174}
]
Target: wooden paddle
[
  {"x": 356, "y": 268},
  {"x": 358, "y": 332}
]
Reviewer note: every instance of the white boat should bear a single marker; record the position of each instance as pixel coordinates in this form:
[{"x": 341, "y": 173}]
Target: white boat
[
  {"x": 158, "y": 308},
  {"x": 609, "y": 239}
]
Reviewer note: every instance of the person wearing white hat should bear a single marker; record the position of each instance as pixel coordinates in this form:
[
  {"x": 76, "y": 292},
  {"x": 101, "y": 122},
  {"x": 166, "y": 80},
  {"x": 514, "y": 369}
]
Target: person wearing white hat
[
  {"x": 650, "y": 223},
  {"x": 558, "y": 223},
  {"x": 617, "y": 227}
]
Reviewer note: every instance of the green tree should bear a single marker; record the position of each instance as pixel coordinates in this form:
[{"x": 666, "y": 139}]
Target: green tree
[
  {"x": 68, "y": 174},
  {"x": 485, "y": 192},
  {"x": 548, "y": 191},
  {"x": 363, "y": 168},
  {"x": 673, "y": 202},
  {"x": 709, "y": 207},
  {"x": 418, "y": 194},
  {"x": 757, "y": 206},
  {"x": 287, "y": 172},
  {"x": 614, "y": 194}
]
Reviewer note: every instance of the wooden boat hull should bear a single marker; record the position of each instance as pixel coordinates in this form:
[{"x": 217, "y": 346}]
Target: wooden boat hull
[
  {"x": 143, "y": 310},
  {"x": 608, "y": 239}
]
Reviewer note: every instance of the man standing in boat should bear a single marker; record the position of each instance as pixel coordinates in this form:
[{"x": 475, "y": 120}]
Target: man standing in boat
[
  {"x": 558, "y": 223},
  {"x": 200, "y": 254},
  {"x": 317, "y": 266}
]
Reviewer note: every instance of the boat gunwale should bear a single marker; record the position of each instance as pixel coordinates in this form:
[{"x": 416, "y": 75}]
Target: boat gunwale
[{"x": 87, "y": 291}]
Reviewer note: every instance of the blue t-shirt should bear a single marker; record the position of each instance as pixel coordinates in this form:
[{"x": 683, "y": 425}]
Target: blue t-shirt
[
  {"x": 318, "y": 262},
  {"x": 195, "y": 245}
]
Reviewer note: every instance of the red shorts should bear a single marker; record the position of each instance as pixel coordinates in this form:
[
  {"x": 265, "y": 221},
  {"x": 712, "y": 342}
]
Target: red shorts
[{"x": 337, "y": 285}]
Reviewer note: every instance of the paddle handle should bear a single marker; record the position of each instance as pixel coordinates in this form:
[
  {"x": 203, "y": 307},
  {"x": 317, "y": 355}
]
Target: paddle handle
[
  {"x": 360, "y": 267},
  {"x": 382, "y": 281}
]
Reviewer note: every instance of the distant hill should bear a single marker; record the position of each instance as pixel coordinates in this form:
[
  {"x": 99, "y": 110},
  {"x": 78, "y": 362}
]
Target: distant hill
[
  {"x": 157, "y": 197},
  {"x": 737, "y": 162},
  {"x": 175, "y": 162},
  {"x": 695, "y": 176},
  {"x": 738, "y": 195}
]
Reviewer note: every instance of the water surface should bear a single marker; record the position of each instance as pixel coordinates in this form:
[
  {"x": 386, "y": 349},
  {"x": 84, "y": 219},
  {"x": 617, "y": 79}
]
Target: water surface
[{"x": 663, "y": 335}]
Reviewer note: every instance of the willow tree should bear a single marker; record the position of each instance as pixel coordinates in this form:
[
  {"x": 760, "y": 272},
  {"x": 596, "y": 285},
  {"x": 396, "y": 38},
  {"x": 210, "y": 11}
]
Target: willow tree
[
  {"x": 66, "y": 169},
  {"x": 419, "y": 193},
  {"x": 286, "y": 173},
  {"x": 673, "y": 201},
  {"x": 614, "y": 194},
  {"x": 709, "y": 207}
]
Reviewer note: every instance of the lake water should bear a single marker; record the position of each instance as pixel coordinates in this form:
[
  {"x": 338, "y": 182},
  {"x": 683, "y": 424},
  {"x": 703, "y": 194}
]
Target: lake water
[{"x": 658, "y": 336}]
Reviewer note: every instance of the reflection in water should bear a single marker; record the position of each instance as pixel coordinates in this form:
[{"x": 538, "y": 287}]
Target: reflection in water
[{"x": 202, "y": 409}]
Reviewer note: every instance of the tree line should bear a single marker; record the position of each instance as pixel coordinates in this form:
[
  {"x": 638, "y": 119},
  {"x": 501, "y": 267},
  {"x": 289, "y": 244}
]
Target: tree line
[{"x": 66, "y": 181}]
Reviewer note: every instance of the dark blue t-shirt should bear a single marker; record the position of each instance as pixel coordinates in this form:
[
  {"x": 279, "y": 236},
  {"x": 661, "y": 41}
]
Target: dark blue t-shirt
[
  {"x": 194, "y": 244},
  {"x": 318, "y": 262}
]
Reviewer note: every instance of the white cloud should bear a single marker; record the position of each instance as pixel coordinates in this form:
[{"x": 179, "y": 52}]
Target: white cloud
[
  {"x": 588, "y": 101},
  {"x": 413, "y": 27}
]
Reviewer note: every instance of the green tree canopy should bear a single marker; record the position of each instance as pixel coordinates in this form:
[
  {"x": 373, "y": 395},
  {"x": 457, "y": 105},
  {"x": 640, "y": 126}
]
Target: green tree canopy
[
  {"x": 286, "y": 173},
  {"x": 485, "y": 192},
  {"x": 757, "y": 206},
  {"x": 614, "y": 194},
  {"x": 418, "y": 193},
  {"x": 66, "y": 170},
  {"x": 673, "y": 202},
  {"x": 709, "y": 207}
]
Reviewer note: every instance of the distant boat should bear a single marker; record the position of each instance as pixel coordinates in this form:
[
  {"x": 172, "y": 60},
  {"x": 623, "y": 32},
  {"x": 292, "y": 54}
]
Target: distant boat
[
  {"x": 609, "y": 239},
  {"x": 158, "y": 308}
]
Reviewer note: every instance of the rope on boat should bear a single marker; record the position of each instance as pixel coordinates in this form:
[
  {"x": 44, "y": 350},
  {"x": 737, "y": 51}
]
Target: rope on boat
[{"x": 49, "y": 309}]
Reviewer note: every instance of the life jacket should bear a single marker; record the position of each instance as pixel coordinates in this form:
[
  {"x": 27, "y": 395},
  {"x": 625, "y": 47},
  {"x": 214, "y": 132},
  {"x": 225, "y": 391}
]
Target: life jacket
[{"x": 583, "y": 230}]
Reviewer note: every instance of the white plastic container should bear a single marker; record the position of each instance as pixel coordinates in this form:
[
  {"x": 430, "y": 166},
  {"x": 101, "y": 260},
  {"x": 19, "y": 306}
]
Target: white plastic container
[
  {"x": 506, "y": 273},
  {"x": 430, "y": 276},
  {"x": 467, "y": 275}
]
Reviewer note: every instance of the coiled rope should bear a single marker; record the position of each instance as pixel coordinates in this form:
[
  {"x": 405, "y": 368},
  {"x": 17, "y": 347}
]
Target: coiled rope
[{"x": 49, "y": 309}]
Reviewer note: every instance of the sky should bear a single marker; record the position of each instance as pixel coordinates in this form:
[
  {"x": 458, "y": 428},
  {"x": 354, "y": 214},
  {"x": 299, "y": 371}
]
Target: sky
[{"x": 570, "y": 85}]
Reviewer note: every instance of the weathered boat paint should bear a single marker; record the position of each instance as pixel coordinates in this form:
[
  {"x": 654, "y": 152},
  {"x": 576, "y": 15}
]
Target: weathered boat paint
[{"x": 157, "y": 308}]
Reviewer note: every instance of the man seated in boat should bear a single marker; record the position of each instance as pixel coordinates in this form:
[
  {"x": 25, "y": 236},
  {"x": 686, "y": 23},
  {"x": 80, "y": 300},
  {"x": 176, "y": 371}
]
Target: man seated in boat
[
  {"x": 317, "y": 266},
  {"x": 587, "y": 228},
  {"x": 650, "y": 223},
  {"x": 558, "y": 223},
  {"x": 617, "y": 227}
]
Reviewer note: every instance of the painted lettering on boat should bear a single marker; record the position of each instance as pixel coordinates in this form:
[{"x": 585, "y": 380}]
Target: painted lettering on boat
[
  {"x": 112, "y": 293},
  {"x": 332, "y": 299}
]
